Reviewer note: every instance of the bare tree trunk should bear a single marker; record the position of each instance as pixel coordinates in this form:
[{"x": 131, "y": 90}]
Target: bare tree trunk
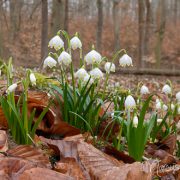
[
  {"x": 44, "y": 29},
  {"x": 15, "y": 17},
  {"x": 148, "y": 27},
  {"x": 58, "y": 16},
  {"x": 1, "y": 31},
  {"x": 175, "y": 11},
  {"x": 116, "y": 24},
  {"x": 66, "y": 18},
  {"x": 141, "y": 11},
  {"x": 161, "y": 22},
  {"x": 99, "y": 24}
]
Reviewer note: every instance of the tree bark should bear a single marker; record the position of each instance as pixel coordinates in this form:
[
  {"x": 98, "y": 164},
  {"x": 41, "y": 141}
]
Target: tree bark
[
  {"x": 66, "y": 18},
  {"x": 147, "y": 27},
  {"x": 15, "y": 17},
  {"x": 44, "y": 29},
  {"x": 58, "y": 16},
  {"x": 141, "y": 11},
  {"x": 116, "y": 24},
  {"x": 161, "y": 22},
  {"x": 99, "y": 24}
]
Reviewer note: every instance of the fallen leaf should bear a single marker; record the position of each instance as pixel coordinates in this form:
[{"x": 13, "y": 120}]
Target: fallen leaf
[{"x": 3, "y": 141}]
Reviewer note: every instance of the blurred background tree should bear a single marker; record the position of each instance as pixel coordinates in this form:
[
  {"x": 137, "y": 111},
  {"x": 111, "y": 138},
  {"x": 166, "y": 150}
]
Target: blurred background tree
[{"x": 147, "y": 29}]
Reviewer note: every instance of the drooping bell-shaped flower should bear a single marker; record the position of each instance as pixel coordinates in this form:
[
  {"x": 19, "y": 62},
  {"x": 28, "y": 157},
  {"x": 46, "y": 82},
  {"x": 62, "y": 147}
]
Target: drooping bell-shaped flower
[
  {"x": 130, "y": 102},
  {"x": 81, "y": 73},
  {"x": 144, "y": 90},
  {"x": 125, "y": 60},
  {"x": 32, "y": 79},
  {"x": 49, "y": 62},
  {"x": 93, "y": 57},
  {"x": 159, "y": 121},
  {"x": 96, "y": 73},
  {"x": 56, "y": 42},
  {"x": 11, "y": 88},
  {"x": 158, "y": 105},
  {"x": 88, "y": 78},
  {"x": 178, "y": 96},
  {"x": 135, "y": 121},
  {"x": 166, "y": 89},
  {"x": 64, "y": 59},
  {"x": 172, "y": 107},
  {"x": 109, "y": 67},
  {"x": 165, "y": 107},
  {"x": 75, "y": 43}
]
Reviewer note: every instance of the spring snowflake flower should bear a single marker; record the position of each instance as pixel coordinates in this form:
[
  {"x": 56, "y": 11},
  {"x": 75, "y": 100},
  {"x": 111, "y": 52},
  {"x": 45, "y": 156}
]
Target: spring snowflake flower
[
  {"x": 117, "y": 84},
  {"x": 144, "y": 90},
  {"x": 109, "y": 67},
  {"x": 32, "y": 79},
  {"x": 75, "y": 43},
  {"x": 158, "y": 105},
  {"x": 172, "y": 107},
  {"x": 88, "y": 78},
  {"x": 166, "y": 89},
  {"x": 81, "y": 73},
  {"x": 178, "y": 110},
  {"x": 165, "y": 108},
  {"x": 178, "y": 96},
  {"x": 64, "y": 58},
  {"x": 135, "y": 121},
  {"x": 125, "y": 60},
  {"x": 11, "y": 88},
  {"x": 157, "y": 100},
  {"x": 56, "y": 42},
  {"x": 159, "y": 121},
  {"x": 130, "y": 102},
  {"x": 96, "y": 73},
  {"x": 50, "y": 62},
  {"x": 93, "y": 57}
]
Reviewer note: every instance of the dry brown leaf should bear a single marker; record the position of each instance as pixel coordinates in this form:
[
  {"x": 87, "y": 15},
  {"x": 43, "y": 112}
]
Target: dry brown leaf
[
  {"x": 41, "y": 174},
  {"x": 29, "y": 153},
  {"x": 3, "y": 141}
]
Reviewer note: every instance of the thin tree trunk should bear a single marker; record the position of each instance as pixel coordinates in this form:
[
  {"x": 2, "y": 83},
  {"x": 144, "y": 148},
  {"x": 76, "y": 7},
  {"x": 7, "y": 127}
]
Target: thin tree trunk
[
  {"x": 141, "y": 11},
  {"x": 15, "y": 17},
  {"x": 116, "y": 24},
  {"x": 44, "y": 29},
  {"x": 1, "y": 31},
  {"x": 66, "y": 18},
  {"x": 161, "y": 22},
  {"x": 58, "y": 16},
  {"x": 99, "y": 24},
  {"x": 148, "y": 27}
]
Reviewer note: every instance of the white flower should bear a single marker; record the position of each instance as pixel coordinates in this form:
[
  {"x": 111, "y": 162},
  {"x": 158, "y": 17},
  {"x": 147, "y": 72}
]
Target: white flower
[
  {"x": 135, "y": 121},
  {"x": 96, "y": 73},
  {"x": 159, "y": 121},
  {"x": 157, "y": 100},
  {"x": 93, "y": 57},
  {"x": 11, "y": 88},
  {"x": 56, "y": 42},
  {"x": 75, "y": 43},
  {"x": 166, "y": 89},
  {"x": 178, "y": 96},
  {"x": 125, "y": 60},
  {"x": 144, "y": 90},
  {"x": 130, "y": 102},
  {"x": 50, "y": 62},
  {"x": 158, "y": 105},
  {"x": 172, "y": 107},
  {"x": 117, "y": 84},
  {"x": 86, "y": 79},
  {"x": 33, "y": 79},
  {"x": 178, "y": 110},
  {"x": 112, "y": 115},
  {"x": 81, "y": 73},
  {"x": 165, "y": 108},
  {"x": 64, "y": 58},
  {"x": 109, "y": 67}
]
